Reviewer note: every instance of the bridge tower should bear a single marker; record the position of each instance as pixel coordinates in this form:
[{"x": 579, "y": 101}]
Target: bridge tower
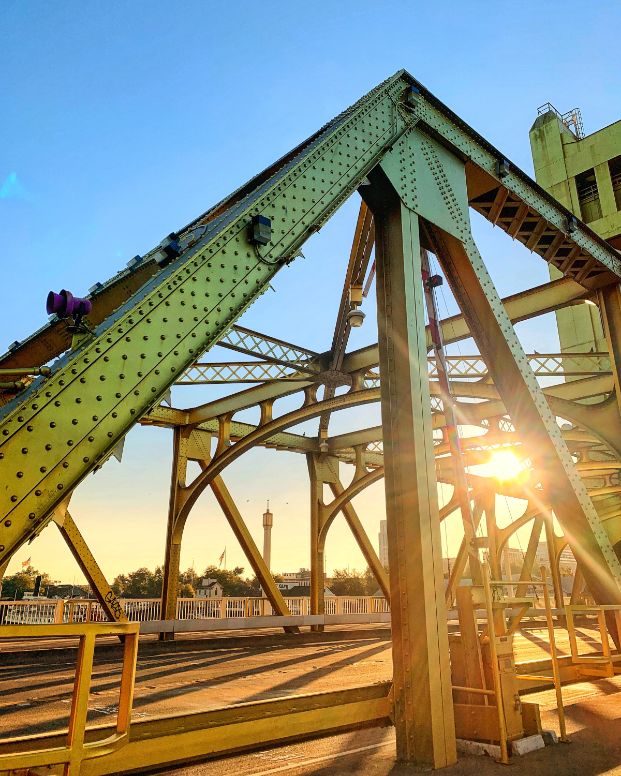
[{"x": 584, "y": 173}]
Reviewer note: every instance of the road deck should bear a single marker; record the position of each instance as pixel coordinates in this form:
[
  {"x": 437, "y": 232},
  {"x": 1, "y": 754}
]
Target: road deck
[{"x": 206, "y": 673}]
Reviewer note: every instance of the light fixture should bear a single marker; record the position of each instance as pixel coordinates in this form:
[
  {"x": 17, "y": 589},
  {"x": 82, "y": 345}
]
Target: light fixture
[{"x": 355, "y": 318}]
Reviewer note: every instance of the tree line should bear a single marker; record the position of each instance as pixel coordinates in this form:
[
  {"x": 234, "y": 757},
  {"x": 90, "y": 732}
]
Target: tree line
[{"x": 144, "y": 583}]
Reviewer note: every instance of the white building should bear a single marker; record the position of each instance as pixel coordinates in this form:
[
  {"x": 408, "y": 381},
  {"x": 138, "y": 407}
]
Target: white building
[
  {"x": 291, "y": 579},
  {"x": 300, "y": 581},
  {"x": 209, "y": 588}
]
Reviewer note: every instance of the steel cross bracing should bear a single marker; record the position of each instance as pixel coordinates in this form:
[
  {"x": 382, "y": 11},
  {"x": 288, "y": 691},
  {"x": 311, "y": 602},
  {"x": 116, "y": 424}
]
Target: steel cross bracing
[
  {"x": 270, "y": 349},
  {"x": 418, "y": 168},
  {"x": 466, "y": 367}
]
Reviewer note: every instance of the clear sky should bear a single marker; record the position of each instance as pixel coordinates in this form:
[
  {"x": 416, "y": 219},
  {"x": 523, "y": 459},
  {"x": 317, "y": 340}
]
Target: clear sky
[{"x": 121, "y": 121}]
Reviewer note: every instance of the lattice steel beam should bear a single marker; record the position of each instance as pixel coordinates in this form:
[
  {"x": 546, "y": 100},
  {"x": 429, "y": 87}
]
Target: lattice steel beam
[
  {"x": 364, "y": 238},
  {"x": 276, "y": 351},
  {"x": 462, "y": 367},
  {"x": 239, "y": 372}
]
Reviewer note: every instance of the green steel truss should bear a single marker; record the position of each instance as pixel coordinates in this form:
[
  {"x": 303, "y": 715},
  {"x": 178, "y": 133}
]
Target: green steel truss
[{"x": 152, "y": 323}]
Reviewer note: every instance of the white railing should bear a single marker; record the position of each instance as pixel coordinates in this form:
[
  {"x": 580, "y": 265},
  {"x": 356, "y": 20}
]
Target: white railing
[
  {"x": 48, "y": 611},
  {"x": 45, "y": 612}
]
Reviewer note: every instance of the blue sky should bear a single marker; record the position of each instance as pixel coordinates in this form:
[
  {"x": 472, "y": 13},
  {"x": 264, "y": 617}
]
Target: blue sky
[{"x": 122, "y": 121}]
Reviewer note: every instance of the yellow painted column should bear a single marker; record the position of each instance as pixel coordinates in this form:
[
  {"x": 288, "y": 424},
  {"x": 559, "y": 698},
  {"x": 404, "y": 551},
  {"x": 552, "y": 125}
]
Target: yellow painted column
[
  {"x": 174, "y": 531},
  {"x": 423, "y": 706},
  {"x": 317, "y": 580}
]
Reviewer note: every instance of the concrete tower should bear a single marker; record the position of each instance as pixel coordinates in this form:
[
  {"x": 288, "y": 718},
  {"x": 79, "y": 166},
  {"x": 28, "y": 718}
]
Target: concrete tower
[
  {"x": 268, "y": 521},
  {"x": 584, "y": 174}
]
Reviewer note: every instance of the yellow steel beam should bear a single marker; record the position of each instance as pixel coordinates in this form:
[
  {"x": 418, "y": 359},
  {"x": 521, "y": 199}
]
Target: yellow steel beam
[
  {"x": 423, "y": 713},
  {"x": 190, "y": 494},
  {"x": 87, "y": 563},
  {"x": 174, "y": 529},
  {"x": 464, "y": 367},
  {"x": 610, "y": 310},
  {"x": 110, "y": 379},
  {"x": 156, "y": 743},
  {"x": 316, "y": 475},
  {"x": 251, "y": 551}
]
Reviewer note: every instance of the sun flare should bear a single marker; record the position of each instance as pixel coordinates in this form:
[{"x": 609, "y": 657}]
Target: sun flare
[{"x": 505, "y": 465}]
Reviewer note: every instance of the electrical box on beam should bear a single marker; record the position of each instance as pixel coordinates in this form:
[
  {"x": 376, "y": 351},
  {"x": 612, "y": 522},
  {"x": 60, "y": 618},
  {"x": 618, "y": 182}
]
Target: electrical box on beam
[{"x": 261, "y": 230}]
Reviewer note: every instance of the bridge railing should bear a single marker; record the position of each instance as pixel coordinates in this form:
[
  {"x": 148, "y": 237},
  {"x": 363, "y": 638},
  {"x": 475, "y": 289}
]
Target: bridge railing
[
  {"x": 42, "y": 612},
  {"x": 56, "y": 611},
  {"x": 67, "y": 755}
]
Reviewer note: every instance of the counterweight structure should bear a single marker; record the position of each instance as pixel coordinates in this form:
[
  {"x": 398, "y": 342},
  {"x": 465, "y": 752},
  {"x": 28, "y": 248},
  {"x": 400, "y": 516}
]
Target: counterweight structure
[{"x": 418, "y": 168}]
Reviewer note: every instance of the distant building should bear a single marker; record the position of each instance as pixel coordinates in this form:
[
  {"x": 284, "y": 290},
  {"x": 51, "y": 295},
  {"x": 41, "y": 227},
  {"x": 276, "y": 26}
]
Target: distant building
[
  {"x": 209, "y": 588},
  {"x": 514, "y": 556},
  {"x": 584, "y": 174},
  {"x": 295, "y": 579},
  {"x": 291, "y": 579},
  {"x": 302, "y": 591},
  {"x": 67, "y": 590},
  {"x": 383, "y": 544},
  {"x": 511, "y": 555},
  {"x": 567, "y": 562}
]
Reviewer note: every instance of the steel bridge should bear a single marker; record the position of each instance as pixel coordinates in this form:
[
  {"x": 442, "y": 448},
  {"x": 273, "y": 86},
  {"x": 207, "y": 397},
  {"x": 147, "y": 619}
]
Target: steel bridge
[{"x": 72, "y": 390}]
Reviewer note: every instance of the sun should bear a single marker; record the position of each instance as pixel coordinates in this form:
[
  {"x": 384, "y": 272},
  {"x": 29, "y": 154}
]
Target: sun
[{"x": 505, "y": 465}]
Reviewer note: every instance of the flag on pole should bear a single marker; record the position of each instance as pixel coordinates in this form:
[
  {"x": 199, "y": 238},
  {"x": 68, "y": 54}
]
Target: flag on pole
[
  {"x": 26, "y": 562},
  {"x": 222, "y": 557}
]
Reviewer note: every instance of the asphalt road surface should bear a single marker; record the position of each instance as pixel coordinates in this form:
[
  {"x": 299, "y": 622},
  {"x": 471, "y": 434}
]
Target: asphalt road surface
[
  {"x": 593, "y": 715},
  {"x": 207, "y": 673}
]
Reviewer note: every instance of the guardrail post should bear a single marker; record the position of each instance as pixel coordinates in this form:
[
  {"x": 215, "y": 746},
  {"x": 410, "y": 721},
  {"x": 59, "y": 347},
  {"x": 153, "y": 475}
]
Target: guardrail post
[
  {"x": 128, "y": 677},
  {"x": 556, "y": 674},
  {"x": 59, "y": 611},
  {"x": 79, "y": 704}
]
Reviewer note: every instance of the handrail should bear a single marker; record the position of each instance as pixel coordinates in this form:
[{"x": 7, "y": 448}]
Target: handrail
[
  {"x": 556, "y": 671},
  {"x": 600, "y": 610},
  {"x": 75, "y": 748}
]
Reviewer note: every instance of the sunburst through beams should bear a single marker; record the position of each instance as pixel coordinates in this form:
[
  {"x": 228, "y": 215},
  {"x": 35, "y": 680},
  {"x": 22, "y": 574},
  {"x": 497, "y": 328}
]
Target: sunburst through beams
[{"x": 504, "y": 465}]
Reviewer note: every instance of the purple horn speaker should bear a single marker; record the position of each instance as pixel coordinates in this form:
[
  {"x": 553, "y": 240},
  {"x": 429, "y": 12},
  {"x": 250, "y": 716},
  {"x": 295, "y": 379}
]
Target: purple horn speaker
[{"x": 66, "y": 305}]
